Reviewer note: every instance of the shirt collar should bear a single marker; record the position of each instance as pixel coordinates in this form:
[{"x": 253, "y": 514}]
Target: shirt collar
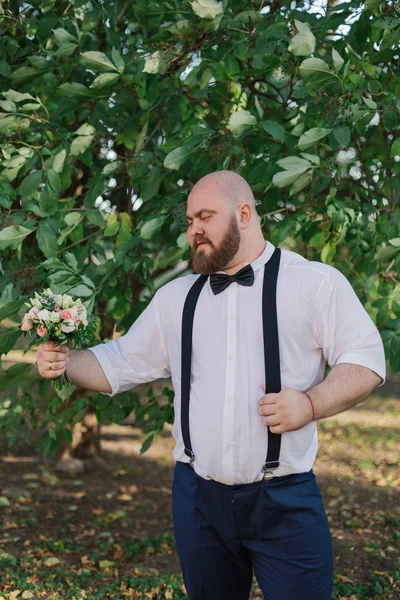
[
  {"x": 261, "y": 260},
  {"x": 264, "y": 257}
]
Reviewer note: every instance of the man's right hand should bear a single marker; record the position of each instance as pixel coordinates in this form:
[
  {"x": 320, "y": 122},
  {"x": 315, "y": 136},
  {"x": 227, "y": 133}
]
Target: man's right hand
[{"x": 52, "y": 354}]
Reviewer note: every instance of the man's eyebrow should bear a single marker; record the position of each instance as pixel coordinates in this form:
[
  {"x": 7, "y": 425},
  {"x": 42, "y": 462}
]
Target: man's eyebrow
[{"x": 203, "y": 210}]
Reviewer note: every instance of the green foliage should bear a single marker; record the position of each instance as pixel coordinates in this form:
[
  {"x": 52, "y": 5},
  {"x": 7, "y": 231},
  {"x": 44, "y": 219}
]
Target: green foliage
[{"x": 107, "y": 105}]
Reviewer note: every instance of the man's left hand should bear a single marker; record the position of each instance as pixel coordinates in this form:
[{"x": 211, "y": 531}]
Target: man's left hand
[{"x": 287, "y": 411}]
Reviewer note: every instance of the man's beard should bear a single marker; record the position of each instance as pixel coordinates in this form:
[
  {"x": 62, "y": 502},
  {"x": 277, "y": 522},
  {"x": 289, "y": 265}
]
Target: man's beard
[{"x": 219, "y": 257}]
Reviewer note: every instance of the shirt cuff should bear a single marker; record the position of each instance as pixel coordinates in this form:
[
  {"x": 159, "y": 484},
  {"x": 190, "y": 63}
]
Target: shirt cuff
[
  {"x": 364, "y": 361},
  {"x": 108, "y": 370}
]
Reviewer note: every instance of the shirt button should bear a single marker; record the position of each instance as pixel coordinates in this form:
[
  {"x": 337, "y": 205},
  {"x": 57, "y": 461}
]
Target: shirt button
[
  {"x": 228, "y": 447},
  {"x": 231, "y": 356},
  {"x": 230, "y": 398},
  {"x": 232, "y": 316}
]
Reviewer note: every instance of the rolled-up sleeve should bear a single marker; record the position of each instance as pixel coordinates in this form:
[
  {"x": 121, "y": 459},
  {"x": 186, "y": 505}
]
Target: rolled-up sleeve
[
  {"x": 137, "y": 357},
  {"x": 343, "y": 328}
]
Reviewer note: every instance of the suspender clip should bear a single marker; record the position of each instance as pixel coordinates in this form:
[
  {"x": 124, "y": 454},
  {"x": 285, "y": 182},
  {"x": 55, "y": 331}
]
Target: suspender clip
[
  {"x": 269, "y": 468},
  {"x": 191, "y": 456}
]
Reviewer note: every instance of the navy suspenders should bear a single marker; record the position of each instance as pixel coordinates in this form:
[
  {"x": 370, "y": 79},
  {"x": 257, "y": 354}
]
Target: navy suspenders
[
  {"x": 186, "y": 345},
  {"x": 271, "y": 356}
]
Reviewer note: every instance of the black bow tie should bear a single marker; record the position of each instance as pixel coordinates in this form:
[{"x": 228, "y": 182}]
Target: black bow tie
[{"x": 220, "y": 281}]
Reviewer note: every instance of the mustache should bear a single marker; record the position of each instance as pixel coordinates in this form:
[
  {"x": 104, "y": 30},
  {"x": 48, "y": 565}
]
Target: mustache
[{"x": 201, "y": 241}]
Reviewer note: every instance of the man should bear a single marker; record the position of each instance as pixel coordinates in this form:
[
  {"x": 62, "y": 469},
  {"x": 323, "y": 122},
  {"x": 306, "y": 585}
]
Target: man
[{"x": 244, "y": 494}]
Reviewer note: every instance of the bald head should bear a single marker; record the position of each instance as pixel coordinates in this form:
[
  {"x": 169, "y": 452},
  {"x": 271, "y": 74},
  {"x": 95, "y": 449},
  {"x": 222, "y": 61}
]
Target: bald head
[{"x": 229, "y": 186}]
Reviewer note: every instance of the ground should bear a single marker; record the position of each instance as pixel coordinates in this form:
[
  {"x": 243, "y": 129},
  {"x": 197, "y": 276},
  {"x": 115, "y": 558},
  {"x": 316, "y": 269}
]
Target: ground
[{"x": 107, "y": 533}]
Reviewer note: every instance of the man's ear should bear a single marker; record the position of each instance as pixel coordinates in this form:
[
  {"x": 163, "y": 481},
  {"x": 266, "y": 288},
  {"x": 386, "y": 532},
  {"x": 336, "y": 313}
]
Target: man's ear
[{"x": 245, "y": 214}]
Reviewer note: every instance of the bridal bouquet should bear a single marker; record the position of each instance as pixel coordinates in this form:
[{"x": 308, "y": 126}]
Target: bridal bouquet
[{"x": 56, "y": 317}]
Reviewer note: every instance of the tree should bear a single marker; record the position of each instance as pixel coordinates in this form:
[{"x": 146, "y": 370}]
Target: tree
[{"x": 111, "y": 111}]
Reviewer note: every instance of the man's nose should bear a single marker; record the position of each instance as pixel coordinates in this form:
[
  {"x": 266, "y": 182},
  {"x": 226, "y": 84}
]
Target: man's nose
[{"x": 197, "y": 228}]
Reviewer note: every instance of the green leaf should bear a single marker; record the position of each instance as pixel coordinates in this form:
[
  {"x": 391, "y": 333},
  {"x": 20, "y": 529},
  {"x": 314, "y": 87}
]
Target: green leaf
[
  {"x": 58, "y": 161},
  {"x": 152, "y": 63},
  {"x": 30, "y": 184},
  {"x": 207, "y": 9},
  {"x": 118, "y": 60},
  {"x": 395, "y": 242},
  {"x": 66, "y": 50},
  {"x": 240, "y": 121},
  {"x": 46, "y": 236},
  {"x": 370, "y": 103},
  {"x": 385, "y": 253},
  {"x": 13, "y": 124},
  {"x": 73, "y": 90},
  {"x": 317, "y": 75},
  {"x": 301, "y": 183},
  {"x": 175, "y": 159},
  {"x": 104, "y": 79},
  {"x": 338, "y": 61},
  {"x": 293, "y": 163},
  {"x": 285, "y": 178},
  {"x": 15, "y": 96},
  {"x": 317, "y": 240},
  {"x": 48, "y": 201},
  {"x": 80, "y": 144},
  {"x": 63, "y": 37},
  {"x": 112, "y": 225},
  {"x": 313, "y": 158},
  {"x": 147, "y": 443},
  {"x": 312, "y": 136},
  {"x": 372, "y": 4},
  {"x": 312, "y": 66},
  {"x": 342, "y": 134},
  {"x": 8, "y": 106},
  {"x": 85, "y": 129},
  {"x": 328, "y": 253},
  {"x": 54, "y": 181},
  {"x": 97, "y": 60},
  {"x": 302, "y": 44},
  {"x": 151, "y": 227},
  {"x": 15, "y": 374},
  {"x": 395, "y": 151},
  {"x": 73, "y": 218},
  {"x": 274, "y": 129},
  {"x": 5, "y": 70},
  {"x": 95, "y": 217},
  {"x": 390, "y": 39},
  {"x": 12, "y": 307},
  {"x": 13, "y": 236}
]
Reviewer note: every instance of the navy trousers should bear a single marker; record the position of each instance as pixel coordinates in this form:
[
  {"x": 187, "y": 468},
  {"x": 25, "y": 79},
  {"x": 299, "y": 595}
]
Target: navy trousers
[{"x": 277, "y": 528}]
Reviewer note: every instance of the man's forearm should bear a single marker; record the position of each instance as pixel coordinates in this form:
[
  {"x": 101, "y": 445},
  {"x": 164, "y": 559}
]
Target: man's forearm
[
  {"x": 344, "y": 386},
  {"x": 85, "y": 371}
]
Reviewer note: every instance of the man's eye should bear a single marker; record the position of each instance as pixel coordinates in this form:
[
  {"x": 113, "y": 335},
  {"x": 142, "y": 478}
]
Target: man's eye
[{"x": 205, "y": 218}]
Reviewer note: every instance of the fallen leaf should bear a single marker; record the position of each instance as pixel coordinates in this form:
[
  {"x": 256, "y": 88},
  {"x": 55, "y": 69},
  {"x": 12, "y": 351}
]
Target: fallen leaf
[{"x": 51, "y": 561}]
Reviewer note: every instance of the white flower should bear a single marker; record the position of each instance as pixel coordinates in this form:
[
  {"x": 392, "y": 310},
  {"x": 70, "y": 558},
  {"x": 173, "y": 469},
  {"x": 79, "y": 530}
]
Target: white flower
[
  {"x": 68, "y": 326},
  {"x": 33, "y": 312},
  {"x": 35, "y": 302},
  {"x": 57, "y": 299},
  {"x": 44, "y": 315},
  {"x": 67, "y": 301},
  {"x": 55, "y": 317}
]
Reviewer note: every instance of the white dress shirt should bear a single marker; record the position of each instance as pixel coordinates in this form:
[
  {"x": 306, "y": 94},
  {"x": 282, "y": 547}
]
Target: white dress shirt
[{"x": 320, "y": 318}]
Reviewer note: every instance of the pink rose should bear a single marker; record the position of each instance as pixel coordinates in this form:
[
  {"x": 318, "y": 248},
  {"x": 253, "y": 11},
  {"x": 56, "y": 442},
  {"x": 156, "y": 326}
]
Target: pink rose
[
  {"x": 66, "y": 314},
  {"x": 57, "y": 308},
  {"x": 41, "y": 331},
  {"x": 26, "y": 322}
]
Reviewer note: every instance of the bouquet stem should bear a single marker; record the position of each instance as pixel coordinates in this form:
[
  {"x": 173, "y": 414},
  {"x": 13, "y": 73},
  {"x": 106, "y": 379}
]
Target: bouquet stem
[{"x": 62, "y": 381}]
